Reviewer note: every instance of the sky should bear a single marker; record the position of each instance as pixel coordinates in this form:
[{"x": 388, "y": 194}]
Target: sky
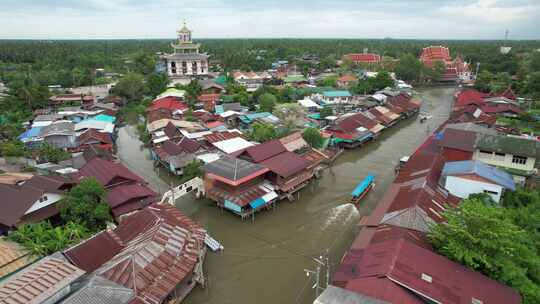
[{"x": 132, "y": 19}]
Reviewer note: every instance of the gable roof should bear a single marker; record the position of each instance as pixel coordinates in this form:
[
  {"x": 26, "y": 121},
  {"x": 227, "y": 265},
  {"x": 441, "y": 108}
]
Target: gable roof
[
  {"x": 485, "y": 171},
  {"x": 364, "y": 57},
  {"x": 261, "y": 152},
  {"x": 98, "y": 290},
  {"x": 105, "y": 171},
  {"x": 458, "y": 139},
  {"x": 93, "y": 135},
  {"x": 90, "y": 254},
  {"x": 221, "y": 136},
  {"x": 294, "y": 142}
]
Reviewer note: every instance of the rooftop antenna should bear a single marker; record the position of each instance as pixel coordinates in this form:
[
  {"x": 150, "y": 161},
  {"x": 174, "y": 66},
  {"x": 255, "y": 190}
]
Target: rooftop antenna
[{"x": 506, "y": 32}]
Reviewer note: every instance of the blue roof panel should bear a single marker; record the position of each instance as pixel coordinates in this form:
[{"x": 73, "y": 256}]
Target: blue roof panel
[
  {"x": 337, "y": 94},
  {"x": 481, "y": 169}
]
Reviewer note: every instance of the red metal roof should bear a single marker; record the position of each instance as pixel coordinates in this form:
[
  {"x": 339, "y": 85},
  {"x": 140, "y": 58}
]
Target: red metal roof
[
  {"x": 170, "y": 103},
  {"x": 95, "y": 251},
  {"x": 286, "y": 164},
  {"x": 264, "y": 151},
  {"x": 469, "y": 97},
  {"x": 411, "y": 271},
  {"x": 501, "y": 108}
]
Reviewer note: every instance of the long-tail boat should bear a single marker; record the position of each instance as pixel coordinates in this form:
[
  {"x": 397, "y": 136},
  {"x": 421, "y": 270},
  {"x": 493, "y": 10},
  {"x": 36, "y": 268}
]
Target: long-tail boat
[{"x": 362, "y": 189}]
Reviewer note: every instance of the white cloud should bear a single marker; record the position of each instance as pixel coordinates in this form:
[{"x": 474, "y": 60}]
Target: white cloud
[{"x": 224, "y": 19}]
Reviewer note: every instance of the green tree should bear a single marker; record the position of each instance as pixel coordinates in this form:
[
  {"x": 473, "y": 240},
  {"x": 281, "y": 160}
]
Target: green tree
[
  {"x": 485, "y": 238},
  {"x": 42, "y": 239},
  {"x": 13, "y": 149},
  {"x": 330, "y": 81},
  {"x": 267, "y": 102},
  {"x": 326, "y": 111},
  {"x": 533, "y": 85},
  {"x": 53, "y": 154},
  {"x": 290, "y": 114},
  {"x": 156, "y": 83},
  {"x": 261, "y": 132},
  {"x": 483, "y": 81},
  {"x": 131, "y": 86},
  {"x": 144, "y": 63},
  {"x": 382, "y": 80},
  {"x": 437, "y": 70},
  {"x": 313, "y": 137},
  {"x": 409, "y": 68},
  {"x": 85, "y": 204},
  {"x": 500, "y": 82},
  {"x": 328, "y": 62},
  {"x": 191, "y": 170}
]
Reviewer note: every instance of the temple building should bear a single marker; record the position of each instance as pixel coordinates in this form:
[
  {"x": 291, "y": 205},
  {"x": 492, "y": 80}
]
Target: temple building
[
  {"x": 186, "y": 62},
  {"x": 457, "y": 70}
]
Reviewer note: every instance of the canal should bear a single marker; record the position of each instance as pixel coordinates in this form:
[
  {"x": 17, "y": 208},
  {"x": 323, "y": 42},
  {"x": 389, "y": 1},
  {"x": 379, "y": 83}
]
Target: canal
[{"x": 263, "y": 262}]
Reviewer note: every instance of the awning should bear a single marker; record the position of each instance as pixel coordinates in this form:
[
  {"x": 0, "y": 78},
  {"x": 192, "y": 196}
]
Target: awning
[
  {"x": 363, "y": 185},
  {"x": 232, "y": 206}
]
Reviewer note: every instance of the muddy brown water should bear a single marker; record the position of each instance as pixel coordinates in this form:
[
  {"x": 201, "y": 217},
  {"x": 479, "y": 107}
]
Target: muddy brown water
[{"x": 264, "y": 261}]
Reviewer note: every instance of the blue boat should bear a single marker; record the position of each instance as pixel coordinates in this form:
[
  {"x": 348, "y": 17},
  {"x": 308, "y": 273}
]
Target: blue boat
[{"x": 362, "y": 188}]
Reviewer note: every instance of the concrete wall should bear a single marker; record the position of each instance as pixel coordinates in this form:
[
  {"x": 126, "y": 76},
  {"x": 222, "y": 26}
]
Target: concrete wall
[
  {"x": 461, "y": 187},
  {"x": 504, "y": 161}
]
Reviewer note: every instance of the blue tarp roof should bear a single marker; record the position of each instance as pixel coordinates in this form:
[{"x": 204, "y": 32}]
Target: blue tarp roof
[
  {"x": 257, "y": 203},
  {"x": 33, "y": 132},
  {"x": 104, "y": 117},
  {"x": 248, "y": 118},
  {"x": 337, "y": 94},
  {"x": 219, "y": 109},
  {"x": 481, "y": 169},
  {"x": 363, "y": 185}
]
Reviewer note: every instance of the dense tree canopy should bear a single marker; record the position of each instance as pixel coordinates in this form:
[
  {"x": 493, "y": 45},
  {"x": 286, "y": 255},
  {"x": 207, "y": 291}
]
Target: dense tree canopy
[
  {"x": 267, "y": 102},
  {"x": 262, "y": 132},
  {"x": 500, "y": 242},
  {"x": 313, "y": 137},
  {"x": 85, "y": 204}
]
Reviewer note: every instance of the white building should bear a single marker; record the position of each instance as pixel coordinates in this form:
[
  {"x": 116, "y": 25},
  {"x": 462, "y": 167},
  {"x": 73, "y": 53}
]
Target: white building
[
  {"x": 186, "y": 62},
  {"x": 463, "y": 178}
]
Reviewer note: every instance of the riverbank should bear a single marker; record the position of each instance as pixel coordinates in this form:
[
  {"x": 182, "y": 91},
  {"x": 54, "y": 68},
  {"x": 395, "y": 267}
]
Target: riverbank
[{"x": 263, "y": 261}]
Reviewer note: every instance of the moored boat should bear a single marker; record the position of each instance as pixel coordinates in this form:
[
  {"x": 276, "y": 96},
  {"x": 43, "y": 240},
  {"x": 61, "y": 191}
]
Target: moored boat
[{"x": 362, "y": 189}]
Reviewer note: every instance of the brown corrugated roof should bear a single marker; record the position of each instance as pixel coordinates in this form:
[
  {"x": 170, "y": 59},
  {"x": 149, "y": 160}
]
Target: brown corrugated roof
[
  {"x": 286, "y": 164},
  {"x": 13, "y": 257},
  {"x": 15, "y": 201},
  {"x": 105, "y": 171},
  {"x": 94, "y": 252},
  {"x": 39, "y": 282}
]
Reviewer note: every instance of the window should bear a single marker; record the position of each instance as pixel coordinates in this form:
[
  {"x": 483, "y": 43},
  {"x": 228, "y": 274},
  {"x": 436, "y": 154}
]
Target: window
[
  {"x": 491, "y": 192},
  {"x": 520, "y": 160},
  {"x": 500, "y": 154},
  {"x": 485, "y": 152}
]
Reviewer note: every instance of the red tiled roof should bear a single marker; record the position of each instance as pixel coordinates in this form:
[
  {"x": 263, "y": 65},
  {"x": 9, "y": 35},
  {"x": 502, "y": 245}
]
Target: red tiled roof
[
  {"x": 286, "y": 164},
  {"x": 365, "y": 57},
  {"x": 264, "y": 151},
  {"x": 432, "y": 53},
  {"x": 469, "y": 97},
  {"x": 105, "y": 171},
  {"x": 170, "y": 103}
]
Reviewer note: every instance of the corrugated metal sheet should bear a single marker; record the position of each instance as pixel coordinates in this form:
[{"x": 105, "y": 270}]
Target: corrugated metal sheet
[
  {"x": 13, "y": 257},
  {"x": 39, "y": 282}
]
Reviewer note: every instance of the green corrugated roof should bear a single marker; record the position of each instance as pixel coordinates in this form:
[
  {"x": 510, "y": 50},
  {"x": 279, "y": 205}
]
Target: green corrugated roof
[
  {"x": 221, "y": 80},
  {"x": 508, "y": 145},
  {"x": 295, "y": 78}
]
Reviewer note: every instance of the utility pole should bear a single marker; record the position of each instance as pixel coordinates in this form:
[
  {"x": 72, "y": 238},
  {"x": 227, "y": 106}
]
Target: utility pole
[{"x": 321, "y": 262}]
